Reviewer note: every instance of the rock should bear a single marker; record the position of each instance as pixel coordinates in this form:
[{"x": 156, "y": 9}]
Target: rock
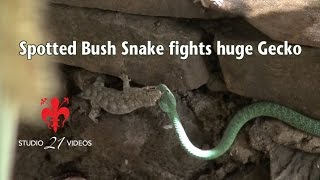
[
  {"x": 288, "y": 80},
  {"x": 71, "y": 23},
  {"x": 249, "y": 172},
  {"x": 286, "y": 162},
  {"x": 241, "y": 151},
  {"x": 264, "y": 134},
  {"x": 279, "y": 18},
  {"x": 258, "y": 172},
  {"x": 276, "y": 18},
  {"x": 289, "y": 164},
  {"x": 215, "y": 83},
  {"x": 168, "y": 8}
]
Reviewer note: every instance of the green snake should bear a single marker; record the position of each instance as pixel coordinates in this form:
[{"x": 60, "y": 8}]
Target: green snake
[{"x": 167, "y": 104}]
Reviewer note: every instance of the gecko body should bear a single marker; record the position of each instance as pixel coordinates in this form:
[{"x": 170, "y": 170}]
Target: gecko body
[{"x": 118, "y": 102}]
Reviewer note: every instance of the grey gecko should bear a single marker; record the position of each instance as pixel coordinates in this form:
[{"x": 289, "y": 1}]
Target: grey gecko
[{"x": 118, "y": 102}]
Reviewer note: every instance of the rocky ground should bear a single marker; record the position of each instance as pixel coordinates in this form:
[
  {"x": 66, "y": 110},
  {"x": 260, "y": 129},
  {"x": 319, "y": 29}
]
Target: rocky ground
[
  {"x": 209, "y": 90},
  {"x": 143, "y": 145}
]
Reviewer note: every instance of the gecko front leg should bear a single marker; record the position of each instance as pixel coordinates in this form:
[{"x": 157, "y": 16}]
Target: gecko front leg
[
  {"x": 92, "y": 93},
  {"x": 126, "y": 82}
]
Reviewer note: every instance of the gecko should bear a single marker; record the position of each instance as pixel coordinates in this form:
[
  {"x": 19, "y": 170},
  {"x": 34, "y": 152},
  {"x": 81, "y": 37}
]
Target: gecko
[{"x": 118, "y": 102}]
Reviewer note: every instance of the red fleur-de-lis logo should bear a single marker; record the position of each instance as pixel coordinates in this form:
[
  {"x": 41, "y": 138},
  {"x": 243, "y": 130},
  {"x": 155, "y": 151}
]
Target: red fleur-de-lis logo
[{"x": 55, "y": 112}]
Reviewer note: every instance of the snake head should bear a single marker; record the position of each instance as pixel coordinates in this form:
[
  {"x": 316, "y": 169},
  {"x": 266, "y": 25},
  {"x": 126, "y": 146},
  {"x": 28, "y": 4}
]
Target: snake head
[{"x": 167, "y": 101}]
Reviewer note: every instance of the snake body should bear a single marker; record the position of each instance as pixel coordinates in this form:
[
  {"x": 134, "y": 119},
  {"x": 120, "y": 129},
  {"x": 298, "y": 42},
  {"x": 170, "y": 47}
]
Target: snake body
[{"x": 167, "y": 104}]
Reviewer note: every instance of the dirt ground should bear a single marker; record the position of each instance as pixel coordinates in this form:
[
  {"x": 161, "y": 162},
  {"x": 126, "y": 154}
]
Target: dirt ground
[{"x": 142, "y": 144}]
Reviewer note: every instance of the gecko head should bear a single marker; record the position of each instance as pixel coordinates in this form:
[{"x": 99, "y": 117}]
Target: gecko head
[
  {"x": 89, "y": 90},
  {"x": 167, "y": 101},
  {"x": 86, "y": 93}
]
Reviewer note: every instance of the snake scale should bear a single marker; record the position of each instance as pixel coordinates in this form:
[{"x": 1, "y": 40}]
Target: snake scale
[{"x": 167, "y": 104}]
